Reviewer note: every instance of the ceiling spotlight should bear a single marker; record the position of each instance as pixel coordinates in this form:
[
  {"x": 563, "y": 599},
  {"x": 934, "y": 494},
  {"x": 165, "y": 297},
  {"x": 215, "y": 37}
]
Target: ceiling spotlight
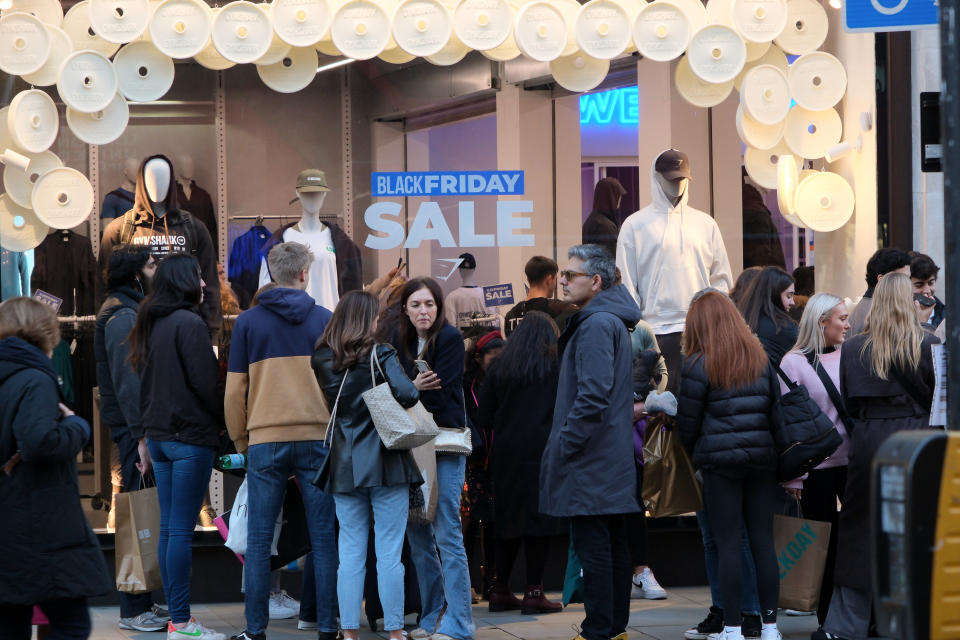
[
  {"x": 835, "y": 4},
  {"x": 5, "y": 4}
]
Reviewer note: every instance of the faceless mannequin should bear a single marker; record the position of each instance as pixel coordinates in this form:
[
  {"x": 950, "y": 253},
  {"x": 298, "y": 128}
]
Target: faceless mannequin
[
  {"x": 156, "y": 180},
  {"x": 186, "y": 170},
  {"x": 310, "y": 205},
  {"x": 130, "y": 169},
  {"x": 467, "y": 277},
  {"x": 673, "y": 190}
]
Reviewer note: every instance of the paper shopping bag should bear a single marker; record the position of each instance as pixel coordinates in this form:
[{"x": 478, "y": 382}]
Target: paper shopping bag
[
  {"x": 670, "y": 486},
  {"x": 801, "y": 547},
  {"x": 425, "y": 457},
  {"x": 137, "y": 541}
]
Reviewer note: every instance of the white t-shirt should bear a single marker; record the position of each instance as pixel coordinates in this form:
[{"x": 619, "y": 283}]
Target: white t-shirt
[
  {"x": 324, "y": 282},
  {"x": 462, "y": 304}
]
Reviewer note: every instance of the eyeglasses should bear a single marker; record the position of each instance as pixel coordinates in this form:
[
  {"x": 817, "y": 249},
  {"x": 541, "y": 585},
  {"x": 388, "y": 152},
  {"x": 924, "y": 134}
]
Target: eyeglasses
[{"x": 568, "y": 275}]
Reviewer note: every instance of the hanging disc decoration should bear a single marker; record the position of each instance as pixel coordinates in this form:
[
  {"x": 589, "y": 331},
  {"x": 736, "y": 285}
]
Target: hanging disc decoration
[
  {"x": 242, "y": 32},
  {"x": 422, "y": 27},
  {"x": 541, "y": 31},
  {"x": 144, "y": 73},
  {"x": 361, "y": 29},
  {"x": 87, "y": 81},
  {"x": 77, "y": 25},
  {"x": 181, "y": 28},
  {"x": 765, "y": 94},
  {"x": 807, "y": 27},
  {"x": 603, "y": 29},
  {"x": 24, "y": 43},
  {"x": 100, "y": 127},
  {"x": 759, "y": 20},
  {"x": 451, "y": 53},
  {"x": 20, "y": 229},
  {"x": 756, "y": 50},
  {"x": 483, "y": 24},
  {"x": 716, "y": 53},
  {"x": 696, "y": 91},
  {"x": 773, "y": 56},
  {"x": 817, "y": 81},
  {"x": 579, "y": 72},
  {"x": 756, "y": 135},
  {"x": 810, "y": 134},
  {"x": 119, "y": 21},
  {"x": 662, "y": 31},
  {"x": 300, "y": 23},
  {"x": 50, "y": 12},
  {"x": 62, "y": 198},
  {"x": 294, "y": 73},
  {"x": 824, "y": 202},
  {"x": 33, "y": 121},
  {"x": 761, "y": 165},
  {"x": 18, "y": 183},
  {"x": 60, "y": 48},
  {"x": 788, "y": 178}
]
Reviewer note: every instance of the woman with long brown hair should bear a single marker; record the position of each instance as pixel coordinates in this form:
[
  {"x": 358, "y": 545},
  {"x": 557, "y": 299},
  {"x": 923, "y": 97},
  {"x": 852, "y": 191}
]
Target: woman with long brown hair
[
  {"x": 362, "y": 474},
  {"x": 726, "y": 405}
]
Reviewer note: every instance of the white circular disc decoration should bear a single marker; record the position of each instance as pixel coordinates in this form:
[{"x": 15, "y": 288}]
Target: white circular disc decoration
[
  {"x": 483, "y": 24},
  {"x": 326, "y": 46},
  {"x": 19, "y": 184},
  {"x": 810, "y": 134},
  {"x": 603, "y": 29},
  {"x": 300, "y": 23},
  {"x": 6, "y": 138},
  {"x": 62, "y": 198},
  {"x": 210, "y": 58},
  {"x": 50, "y": 12},
  {"x": 579, "y": 72},
  {"x": 242, "y": 32},
  {"x": 788, "y": 178},
  {"x": 20, "y": 229},
  {"x": 719, "y": 12},
  {"x": 452, "y": 53},
  {"x": 422, "y": 27},
  {"x": 504, "y": 52},
  {"x": 33, "y": 121},
  {"x": 759, "y": 20},
  {"x": 24, "y": 43},
  {"x": 761, "y": 165},
  {"x": 716, "y": 53},
  {"x": 395, "y": 55},
  {"x": 696, "y": 91},
  {"x": 807, "y": 27},
  {"x": 541, "y": 31},
  {"x": 756, "y": 50},
  {"x": 181, "y": 28},
  {"x": 662, "y": 31},
  {"x": 88, "y": 81},
  {"x": 293, "y": 73},
  {"x": 756, "y": 135},
  {"x": 569, "y": 10},
  {"x": 773, "y": 56},
  {"x": 60, "y": 48},
  {"x": 77, "y": 25},
  {"x": 765, "y": 94},
  {"x": 101, "y": 127},
  {"x": 817, "y": 81},
  {"x": 361, "y": 29},
  {"x": 119, "y": 21},
  {"x": 277, "y": 51},
  {"x": 695, "y": 11},
  {"x": 824, "y": 202},
  {"x": 144, "y": 73}
]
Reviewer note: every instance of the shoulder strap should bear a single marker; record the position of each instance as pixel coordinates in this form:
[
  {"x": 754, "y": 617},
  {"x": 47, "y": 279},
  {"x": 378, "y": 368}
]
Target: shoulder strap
[
  {"x": 832, "y": 390},
  {"x": 790, "y": 383},
  {"x": 328, "y": 439},
  {"x": 126, "y": 233},
  {"x": 373, "y": 373}
]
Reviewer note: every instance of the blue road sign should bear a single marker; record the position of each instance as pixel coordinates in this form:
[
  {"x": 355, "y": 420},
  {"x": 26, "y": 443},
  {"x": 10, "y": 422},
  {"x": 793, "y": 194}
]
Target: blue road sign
[{"x": 890, "y": 15}]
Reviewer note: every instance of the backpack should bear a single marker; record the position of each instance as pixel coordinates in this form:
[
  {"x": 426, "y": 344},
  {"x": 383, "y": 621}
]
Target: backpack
[
  {"x": 804, "y": 436},
  {"x": 129, "y": 229}
]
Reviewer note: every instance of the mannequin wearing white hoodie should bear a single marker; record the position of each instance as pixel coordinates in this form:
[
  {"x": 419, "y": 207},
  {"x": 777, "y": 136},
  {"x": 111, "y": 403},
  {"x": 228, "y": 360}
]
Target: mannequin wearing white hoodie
[{"x": 667, "y": 252}]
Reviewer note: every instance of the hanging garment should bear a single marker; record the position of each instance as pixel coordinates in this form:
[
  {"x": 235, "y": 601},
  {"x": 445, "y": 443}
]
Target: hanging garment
[
  {"x": 15, "y": 270},
  {"x": 65, "y": 267},
  {"x": 244, "y": 263},
  {"x": 115, "y": 204},
  {"x": 200, "y": 206}
]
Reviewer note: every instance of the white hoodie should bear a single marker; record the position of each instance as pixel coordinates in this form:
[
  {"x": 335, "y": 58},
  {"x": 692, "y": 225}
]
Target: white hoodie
[{"x": 668, "y": 253}]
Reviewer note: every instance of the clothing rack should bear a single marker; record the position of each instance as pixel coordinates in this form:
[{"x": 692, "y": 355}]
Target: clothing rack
[
  {"x": 278, "y": 217},
  {"x": 77, "y": 319}
]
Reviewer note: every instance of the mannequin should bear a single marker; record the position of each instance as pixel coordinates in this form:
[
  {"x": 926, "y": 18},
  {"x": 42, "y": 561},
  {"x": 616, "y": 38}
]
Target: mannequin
[
  {"x": 602, "y": 226},
  {"x": 667, "y": 252},
  {"x": 195, "y": 199},
  {"x": 336, "y": 266},
  {"x": 466, "y": 302},
  {"x": 156, "y": 180},
  {"x": 120, "y": 200}
]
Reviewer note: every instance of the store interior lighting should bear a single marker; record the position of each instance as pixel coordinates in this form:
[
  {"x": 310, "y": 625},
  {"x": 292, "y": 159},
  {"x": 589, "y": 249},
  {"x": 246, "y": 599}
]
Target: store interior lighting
[
  {"x": 843, "y": 149},
  {"x": 327, "y": 67},
  {"x": 835, "y": 4},
  {"x": 5, "y": 4}
]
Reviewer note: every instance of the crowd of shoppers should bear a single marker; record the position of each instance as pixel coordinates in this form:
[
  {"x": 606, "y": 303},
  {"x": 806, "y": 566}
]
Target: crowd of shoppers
[{"x": 539, "y": 424}]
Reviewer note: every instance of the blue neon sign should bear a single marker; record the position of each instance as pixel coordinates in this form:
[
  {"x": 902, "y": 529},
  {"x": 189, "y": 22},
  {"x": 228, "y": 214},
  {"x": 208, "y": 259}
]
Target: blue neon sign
[{"x": 616, "y": 106}]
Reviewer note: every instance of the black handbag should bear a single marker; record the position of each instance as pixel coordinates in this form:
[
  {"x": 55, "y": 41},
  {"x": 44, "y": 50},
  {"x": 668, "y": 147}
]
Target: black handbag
[{"x": 803, "y": 435}]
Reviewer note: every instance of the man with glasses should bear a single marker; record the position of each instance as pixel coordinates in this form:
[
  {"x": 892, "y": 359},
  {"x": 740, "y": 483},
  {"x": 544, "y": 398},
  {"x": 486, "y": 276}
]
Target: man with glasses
[{"x": 590, "y": 449}]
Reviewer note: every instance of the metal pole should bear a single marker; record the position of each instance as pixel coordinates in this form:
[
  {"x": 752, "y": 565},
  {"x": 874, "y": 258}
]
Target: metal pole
[{"x": 950, "y": 131}]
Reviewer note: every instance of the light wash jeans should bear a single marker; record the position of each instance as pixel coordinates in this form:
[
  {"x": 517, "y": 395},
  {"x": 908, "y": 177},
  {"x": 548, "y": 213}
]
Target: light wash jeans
[
  {"x": 450, "y": 581},
  {"x": 390, "y": 506}
]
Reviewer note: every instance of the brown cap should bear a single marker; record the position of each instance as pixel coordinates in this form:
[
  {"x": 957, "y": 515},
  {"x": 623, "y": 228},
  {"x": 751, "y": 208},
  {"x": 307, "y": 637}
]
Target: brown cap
[
  {"x": 311, "y": 180},
  {"x": 673, "y": 165}
]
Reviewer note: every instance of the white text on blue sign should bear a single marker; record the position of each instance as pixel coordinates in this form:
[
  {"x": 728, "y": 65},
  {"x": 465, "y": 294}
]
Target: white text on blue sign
[
  {"x": 429, "y": 225},
  {"x": 446, "y": 183}
]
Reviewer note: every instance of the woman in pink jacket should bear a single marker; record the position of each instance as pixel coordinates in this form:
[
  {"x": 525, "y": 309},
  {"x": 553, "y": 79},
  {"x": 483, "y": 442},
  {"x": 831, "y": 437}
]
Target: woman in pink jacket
[{"x": 814, "y": 362}]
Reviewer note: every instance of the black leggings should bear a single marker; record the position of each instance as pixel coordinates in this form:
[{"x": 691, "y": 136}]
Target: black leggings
[
  {"x": 536, "y": 550},
  {"x": 69, "y": 620},
  {"x": 731, "y": 502}
]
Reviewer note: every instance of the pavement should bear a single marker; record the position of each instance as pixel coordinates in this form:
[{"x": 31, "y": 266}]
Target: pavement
[{"x": 657, "y": 619}]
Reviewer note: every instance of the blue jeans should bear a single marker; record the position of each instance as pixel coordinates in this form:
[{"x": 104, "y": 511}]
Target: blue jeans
[
  {"x": 268, "y": 467},
  {"x": 183, "y": 475},
  {"x": 390, "y": 506},
  {"x": 749, "y": 598},
  {"x": 451, "y": 581}
]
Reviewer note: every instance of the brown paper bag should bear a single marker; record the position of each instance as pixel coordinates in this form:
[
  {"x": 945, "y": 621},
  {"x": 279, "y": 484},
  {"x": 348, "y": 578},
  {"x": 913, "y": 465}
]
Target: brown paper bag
[
  {"x": 425, "y": 457},
  {"x": 137, "y": 541},
  {"x": 670, "y": 486},
  {"x": 802, "y": 554}
]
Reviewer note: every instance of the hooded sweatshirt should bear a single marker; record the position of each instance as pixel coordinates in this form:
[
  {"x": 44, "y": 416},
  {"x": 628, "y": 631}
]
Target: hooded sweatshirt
[
  {"x": 603, "y": 224},
  {"x": 666, "y": 254},
  {"x": 272, "y": 394},
  {"x": 176, "y": 231}
]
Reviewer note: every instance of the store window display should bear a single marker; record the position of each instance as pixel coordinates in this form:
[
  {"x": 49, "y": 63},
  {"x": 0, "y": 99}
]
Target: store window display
[
  {"x": 15, "y": 268},
  {"x": 194, "y": 198},
  {"x": 667, "y": 252},
  {"x": 465, "y": 303},
  {"x": 337, "y": 265},
  {"x": 157, "y": 221},
  {"x": 120, "y": 200},
  {"x": 602, "y": 226}
]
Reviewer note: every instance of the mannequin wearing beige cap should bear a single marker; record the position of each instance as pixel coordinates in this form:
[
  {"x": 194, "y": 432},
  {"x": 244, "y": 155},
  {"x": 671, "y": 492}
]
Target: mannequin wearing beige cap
[{"x": 336, "y": 266}]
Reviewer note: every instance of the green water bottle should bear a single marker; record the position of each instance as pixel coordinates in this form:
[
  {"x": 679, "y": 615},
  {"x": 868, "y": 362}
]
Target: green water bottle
[{"x": 233, "y": 461}]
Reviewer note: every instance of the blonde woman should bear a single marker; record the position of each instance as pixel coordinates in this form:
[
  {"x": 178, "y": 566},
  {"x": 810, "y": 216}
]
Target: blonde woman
[
  {"x": 886, "y": 377},
  {"x": 814, "y": 362}
]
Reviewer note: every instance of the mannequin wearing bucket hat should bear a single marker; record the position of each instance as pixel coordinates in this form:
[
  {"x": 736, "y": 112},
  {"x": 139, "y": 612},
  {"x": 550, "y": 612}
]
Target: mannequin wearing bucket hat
[{"x": 337, "y": 266}]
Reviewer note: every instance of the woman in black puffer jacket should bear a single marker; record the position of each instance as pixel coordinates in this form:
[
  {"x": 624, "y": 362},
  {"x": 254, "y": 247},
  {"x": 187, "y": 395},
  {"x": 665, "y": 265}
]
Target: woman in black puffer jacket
[{"x": 726, "y": 406}]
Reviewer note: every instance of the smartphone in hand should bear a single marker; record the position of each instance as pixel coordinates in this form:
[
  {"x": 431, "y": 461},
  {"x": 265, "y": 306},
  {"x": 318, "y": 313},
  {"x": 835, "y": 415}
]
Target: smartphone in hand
[
  {"x": 422, "y": 366},
  {"x": 924, "y": 300}
]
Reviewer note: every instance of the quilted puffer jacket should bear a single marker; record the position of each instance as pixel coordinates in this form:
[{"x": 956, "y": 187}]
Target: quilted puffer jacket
[{"x": 727, "y": 431}]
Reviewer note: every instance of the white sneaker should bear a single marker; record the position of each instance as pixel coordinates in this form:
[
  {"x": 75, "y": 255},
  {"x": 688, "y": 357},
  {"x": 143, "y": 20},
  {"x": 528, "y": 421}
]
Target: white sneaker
[
  {"x": 736, "y": 634},
  {"x": 306, "y": 625},
  {"x": 771, "y": 633},
  {"x": 283, "y": 606},
  {"x": 146, "y": 621},
  {"x": 645, "y": 586},
  {"x": 193, "y": 630}
]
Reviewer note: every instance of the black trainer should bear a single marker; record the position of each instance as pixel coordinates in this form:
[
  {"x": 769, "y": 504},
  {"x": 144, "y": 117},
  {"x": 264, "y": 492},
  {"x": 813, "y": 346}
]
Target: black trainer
[
  {"x": 820, "y": 634},
  {"x": 246, "y": 635},
  {"x": 713, "y": 623},
  {"x": 750, "y": 626}
]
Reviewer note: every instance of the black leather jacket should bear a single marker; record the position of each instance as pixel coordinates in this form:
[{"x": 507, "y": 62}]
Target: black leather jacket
[{"x": 358, "y": 458}]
